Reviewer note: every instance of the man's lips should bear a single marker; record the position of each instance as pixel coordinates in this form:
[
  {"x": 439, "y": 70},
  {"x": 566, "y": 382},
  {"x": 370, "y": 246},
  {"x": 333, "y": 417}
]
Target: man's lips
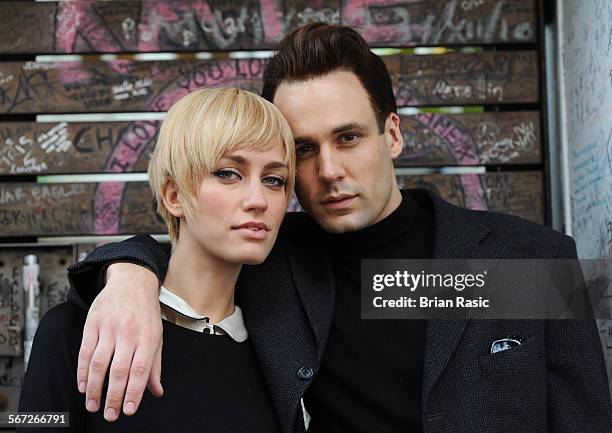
[{"x": 338, "y": 202}]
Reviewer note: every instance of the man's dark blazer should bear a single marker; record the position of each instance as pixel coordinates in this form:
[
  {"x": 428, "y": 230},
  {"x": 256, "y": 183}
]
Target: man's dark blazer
[{"x": 554, "y": 382}]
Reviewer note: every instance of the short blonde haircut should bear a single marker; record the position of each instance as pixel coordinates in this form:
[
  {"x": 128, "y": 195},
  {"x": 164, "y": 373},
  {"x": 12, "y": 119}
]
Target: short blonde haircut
[{"x": 200, "y": 129}]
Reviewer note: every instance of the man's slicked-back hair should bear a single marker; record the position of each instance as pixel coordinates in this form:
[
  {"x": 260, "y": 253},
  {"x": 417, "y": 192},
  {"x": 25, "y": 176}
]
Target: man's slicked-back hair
[{"x": 318, "y": 49}]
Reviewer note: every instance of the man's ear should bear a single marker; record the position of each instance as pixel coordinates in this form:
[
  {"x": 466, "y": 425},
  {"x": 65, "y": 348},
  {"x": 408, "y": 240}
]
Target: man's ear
[
  {"x": 171, "y": 200},
  {"x": 393, "y": 135}
]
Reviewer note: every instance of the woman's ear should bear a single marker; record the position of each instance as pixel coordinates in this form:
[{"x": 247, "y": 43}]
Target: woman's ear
[{"x": 170, "y": 197}]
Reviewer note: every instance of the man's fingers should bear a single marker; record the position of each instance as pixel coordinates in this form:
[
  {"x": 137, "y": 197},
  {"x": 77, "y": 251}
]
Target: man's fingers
[
  {"x": 88, "y": 345},
  {"x": 119, "y": 373},
  {"x": 154, "y": 383},
  {"x": 139, "y": 373},
  {"x": 125, "y": 321},
  {"x": 97, "y": 372}
]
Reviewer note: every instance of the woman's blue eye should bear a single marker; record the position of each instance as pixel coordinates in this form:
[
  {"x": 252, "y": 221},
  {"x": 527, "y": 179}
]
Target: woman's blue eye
[
  {"x": 275, "y": 181},
  {"x": 227, "y": 174}
]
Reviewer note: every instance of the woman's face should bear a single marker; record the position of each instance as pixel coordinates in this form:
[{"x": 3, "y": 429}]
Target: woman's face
[{"x": 240, "y": 206}]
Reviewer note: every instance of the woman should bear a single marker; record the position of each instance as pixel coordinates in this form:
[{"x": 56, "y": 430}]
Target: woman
[{"x": 222, "y": 173}]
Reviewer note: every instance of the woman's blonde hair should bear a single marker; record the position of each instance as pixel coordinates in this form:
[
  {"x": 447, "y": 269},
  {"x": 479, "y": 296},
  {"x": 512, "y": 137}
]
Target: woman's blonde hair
[{"x": 200, "y": 129}]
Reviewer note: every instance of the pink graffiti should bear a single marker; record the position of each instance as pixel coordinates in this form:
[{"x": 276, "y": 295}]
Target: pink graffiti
[
  {"x": 271, "y": 15},
  {"x": 397, "y": 23},
  {"x": 81, "y": 29},
  {"x": 132, "y": 143},
  {"x": 155, "y": 16},
  {"x": 73, "y": 20},
  {"x": 107, "y": 207},
  {"x": 167, "y": 12},
  {"x": 472, "y": 192},
  {"x": 357, "y": 13},
  {"x": 164, "y": 101},
  {"x": 72, "y": 72},
  {"x": 461, "y": 146},
  {"x": 69, "y": 18},
  {"x": 148, "y": 32},
  {"x": 76, "y": 18},
  {"x": 455, "y": 134},
  {"x": 77, "y": 72},
  {"x": 73, "y": 17}
]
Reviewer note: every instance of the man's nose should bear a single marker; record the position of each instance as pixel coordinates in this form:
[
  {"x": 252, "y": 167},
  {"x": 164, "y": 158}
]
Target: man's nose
[
  {"x": 330, "y": 166},
  {"x": 256, "y": 199}
]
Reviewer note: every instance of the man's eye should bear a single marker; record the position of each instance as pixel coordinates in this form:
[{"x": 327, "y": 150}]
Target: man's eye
[
  {"x": 348, "y": 138},
  {"x": 274, "y": 181},
  {"x": 303, "y": 149},
  {"x": 227, "y": 175}
]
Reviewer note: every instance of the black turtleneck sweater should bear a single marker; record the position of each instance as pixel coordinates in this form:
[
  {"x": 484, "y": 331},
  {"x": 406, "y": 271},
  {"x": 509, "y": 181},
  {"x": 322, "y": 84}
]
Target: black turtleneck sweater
[{"x": 370, "y": 378}]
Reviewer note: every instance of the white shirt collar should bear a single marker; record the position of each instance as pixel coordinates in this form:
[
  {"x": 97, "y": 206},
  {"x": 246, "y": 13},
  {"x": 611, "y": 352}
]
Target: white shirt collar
[{"x": 187, "y": 317}]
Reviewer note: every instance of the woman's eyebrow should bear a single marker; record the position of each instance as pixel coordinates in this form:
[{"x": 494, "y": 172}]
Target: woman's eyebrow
[
  {"x": 275, "y": 164},
  {"x": 244, "y": 161},
  {"x": 237, "y": 159}
]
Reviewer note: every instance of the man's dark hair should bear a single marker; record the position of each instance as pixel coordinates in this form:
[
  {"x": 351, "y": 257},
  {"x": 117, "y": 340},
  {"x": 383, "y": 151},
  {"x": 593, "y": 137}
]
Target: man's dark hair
[{"x": 319, "y": 49}]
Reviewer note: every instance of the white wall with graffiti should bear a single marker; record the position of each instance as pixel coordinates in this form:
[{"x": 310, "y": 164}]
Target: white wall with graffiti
[{"x": 586, "y": 61}]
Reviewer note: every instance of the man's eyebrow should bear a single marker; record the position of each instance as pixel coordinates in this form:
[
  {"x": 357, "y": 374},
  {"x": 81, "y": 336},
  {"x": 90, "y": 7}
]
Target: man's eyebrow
[
  {"x": 243, "y": 161},
  {"x": 337, "y": 130},
  {"x": 348, "y": 127}
]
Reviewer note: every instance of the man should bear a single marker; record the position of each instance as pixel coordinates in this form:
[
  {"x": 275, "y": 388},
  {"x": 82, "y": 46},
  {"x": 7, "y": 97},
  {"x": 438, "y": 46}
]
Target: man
[{"x": 303, "y": 312}]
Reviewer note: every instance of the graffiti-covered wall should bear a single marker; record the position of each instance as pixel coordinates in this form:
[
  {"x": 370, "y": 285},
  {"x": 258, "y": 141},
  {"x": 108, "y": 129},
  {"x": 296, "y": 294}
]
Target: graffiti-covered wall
[
  {"x": 466, "y": 76},
  {"x": 587, "y": 87}
]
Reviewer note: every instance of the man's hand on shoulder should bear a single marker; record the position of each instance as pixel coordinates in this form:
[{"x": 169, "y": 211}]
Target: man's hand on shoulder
[{"x": 124, "y": 330}]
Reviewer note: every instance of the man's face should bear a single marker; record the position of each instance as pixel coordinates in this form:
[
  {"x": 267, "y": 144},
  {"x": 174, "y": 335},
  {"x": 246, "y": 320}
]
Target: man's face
[{"x": 345, "y": 178}]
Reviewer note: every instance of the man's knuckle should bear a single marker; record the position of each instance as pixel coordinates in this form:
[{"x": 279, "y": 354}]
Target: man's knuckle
[
  {"x": 94, "y": 318},
  {"x": 121, "y": 368},
  {"x": 133, "y": 394},
  {"x": 147, "y": 338},
  {"x": 139, "y": 370},
  {"x": 151, "y": 335},
  {"x": 130, "y": 324},
  {"x": 113, "y": 400},
  {"x": 85, "y": 354},
  {"x": 97, "y": 365}
]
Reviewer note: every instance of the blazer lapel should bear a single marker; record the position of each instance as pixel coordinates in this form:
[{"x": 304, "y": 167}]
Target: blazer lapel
[
  {"x": 288, "y": 327},
  {"x": 456, "y": 237},
  {"x": 313, "y": 277}
]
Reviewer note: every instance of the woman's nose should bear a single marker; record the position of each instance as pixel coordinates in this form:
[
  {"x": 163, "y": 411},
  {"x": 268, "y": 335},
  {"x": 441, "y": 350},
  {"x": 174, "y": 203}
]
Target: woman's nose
[{"x": 256, "y": 199}]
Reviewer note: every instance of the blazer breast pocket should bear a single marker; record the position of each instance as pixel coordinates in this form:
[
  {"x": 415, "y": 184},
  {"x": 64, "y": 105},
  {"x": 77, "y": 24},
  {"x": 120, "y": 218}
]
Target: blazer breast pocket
[
  {"x": 519, "y": 358},
  {"x": 512, "y": 379}
]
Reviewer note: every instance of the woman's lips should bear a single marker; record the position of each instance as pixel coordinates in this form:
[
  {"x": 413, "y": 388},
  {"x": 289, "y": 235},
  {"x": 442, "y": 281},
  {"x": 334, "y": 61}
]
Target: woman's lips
[{"x": 252, "y": 233}]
